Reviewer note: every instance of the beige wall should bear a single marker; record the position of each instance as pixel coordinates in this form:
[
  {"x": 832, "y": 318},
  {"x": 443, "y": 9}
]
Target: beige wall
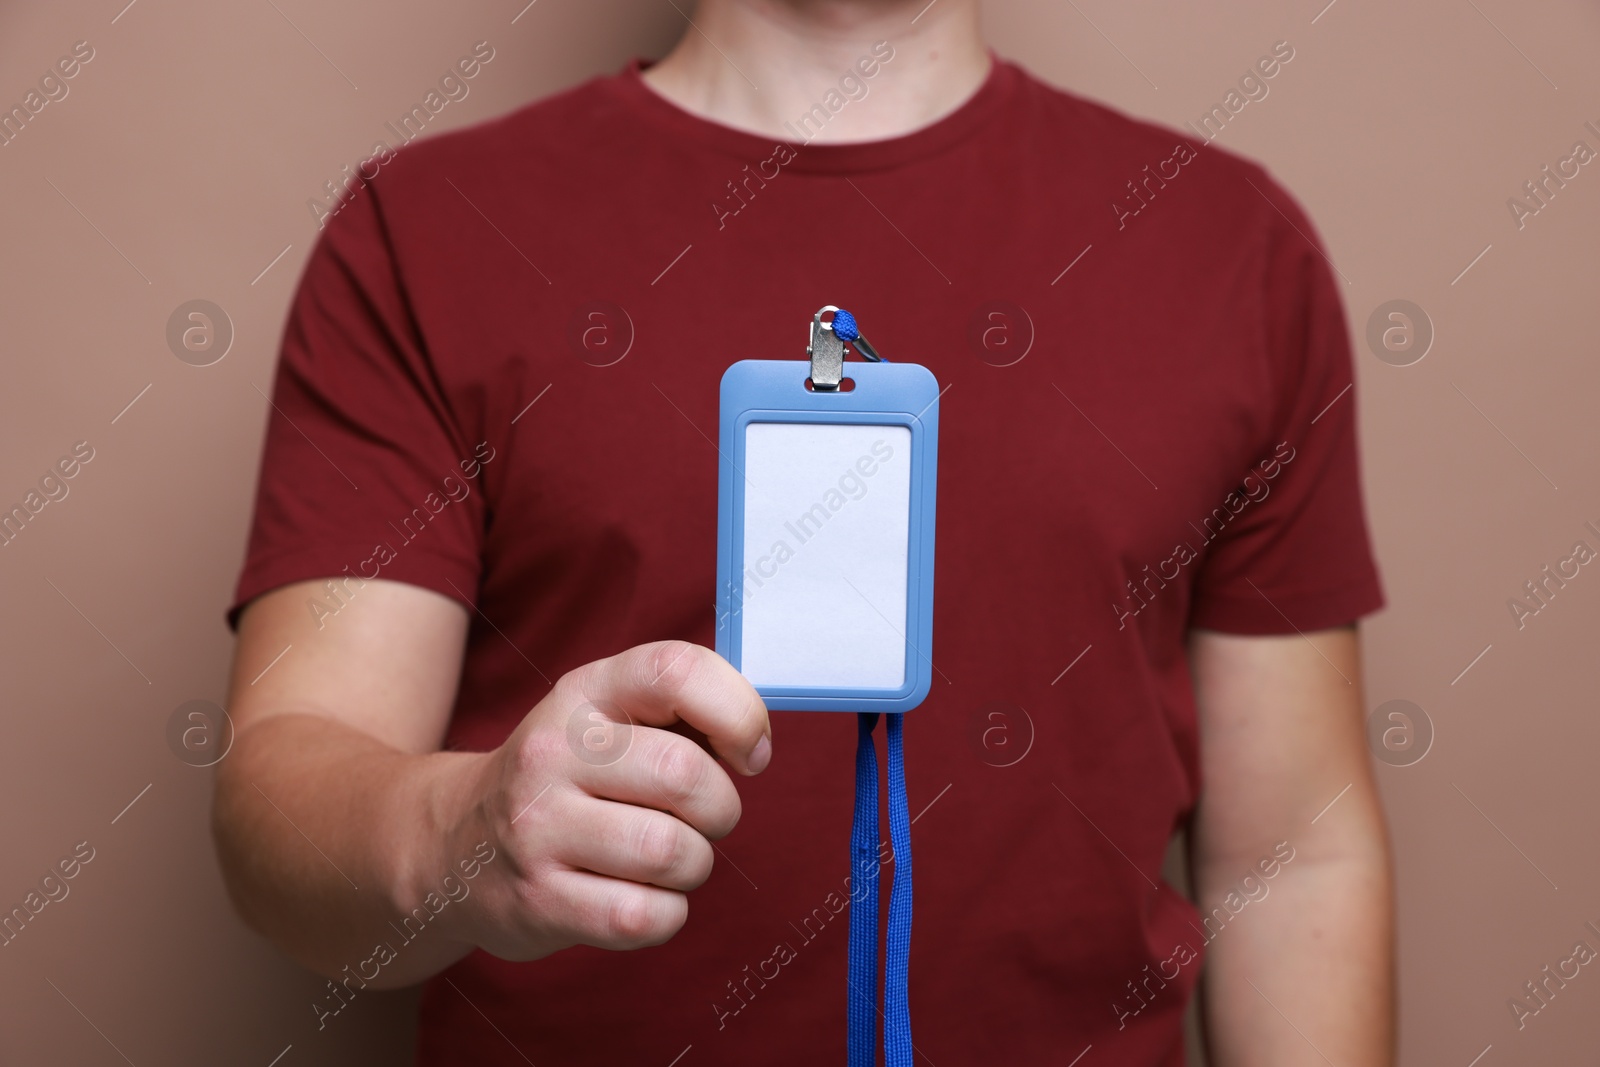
[{"x": 191, "y": 143}]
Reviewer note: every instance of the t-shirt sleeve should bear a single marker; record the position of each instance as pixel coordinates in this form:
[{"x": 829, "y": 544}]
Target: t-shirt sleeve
[
  {"x": 365, "y": 472},
  {"x": 1298, "y": 556}
]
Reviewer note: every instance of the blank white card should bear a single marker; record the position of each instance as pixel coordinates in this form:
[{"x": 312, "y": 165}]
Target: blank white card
[{"x": 826, "y": 529}]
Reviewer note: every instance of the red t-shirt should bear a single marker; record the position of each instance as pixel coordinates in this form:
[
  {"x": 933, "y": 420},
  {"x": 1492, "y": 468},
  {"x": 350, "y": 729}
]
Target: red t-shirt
[{"x": 499, "y": 381}]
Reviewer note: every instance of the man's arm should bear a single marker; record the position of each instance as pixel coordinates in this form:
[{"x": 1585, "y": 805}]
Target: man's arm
[
  {"x": 336, "y": 815},
  {"x": 1305, "y": 973}
]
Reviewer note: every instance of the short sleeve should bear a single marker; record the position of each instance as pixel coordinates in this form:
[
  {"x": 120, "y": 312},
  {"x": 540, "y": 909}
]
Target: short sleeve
[
  {"x": 1297, "y": 556},
  {"x": 365, "y": 473}
]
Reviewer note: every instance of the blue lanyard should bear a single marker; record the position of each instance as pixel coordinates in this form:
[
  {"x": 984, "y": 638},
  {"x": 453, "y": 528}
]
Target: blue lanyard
[
  {"x": 864, "y": 839},
  {"x": 826, "y": 371}
]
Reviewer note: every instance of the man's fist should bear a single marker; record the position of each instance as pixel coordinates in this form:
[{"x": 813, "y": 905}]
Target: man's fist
[{"x": 604, "y": 815}]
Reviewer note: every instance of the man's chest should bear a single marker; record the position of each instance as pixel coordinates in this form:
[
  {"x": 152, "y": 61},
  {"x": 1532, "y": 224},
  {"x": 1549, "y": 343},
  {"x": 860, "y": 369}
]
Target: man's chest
[{"x": 1085, "y": 457}]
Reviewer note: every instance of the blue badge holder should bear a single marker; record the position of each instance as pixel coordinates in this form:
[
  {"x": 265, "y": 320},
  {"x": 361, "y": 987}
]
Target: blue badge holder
[{"x": 885, "y": 394}]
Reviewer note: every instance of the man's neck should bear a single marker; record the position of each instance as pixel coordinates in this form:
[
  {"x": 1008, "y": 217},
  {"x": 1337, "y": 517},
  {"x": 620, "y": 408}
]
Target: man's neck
[{"x": 759, "y": 65}]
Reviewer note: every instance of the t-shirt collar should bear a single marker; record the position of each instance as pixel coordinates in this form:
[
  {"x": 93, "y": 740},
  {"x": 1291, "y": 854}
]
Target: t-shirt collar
[{"x": 969, "y": 117}]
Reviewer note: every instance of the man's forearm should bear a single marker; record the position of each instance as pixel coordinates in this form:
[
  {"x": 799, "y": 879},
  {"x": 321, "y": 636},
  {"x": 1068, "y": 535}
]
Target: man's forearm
[
  {"x": 330, "y": 840},
  {"x": 1304, "y": 974},
  {"x": 380, "y": 860}
]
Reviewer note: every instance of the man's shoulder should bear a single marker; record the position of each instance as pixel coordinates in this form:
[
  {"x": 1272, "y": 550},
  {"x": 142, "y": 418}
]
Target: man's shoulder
[
  {"x": 1089, "y": 119},
  {"x": 547, "y": 130},
  {"x": 1102, "y": 138}
]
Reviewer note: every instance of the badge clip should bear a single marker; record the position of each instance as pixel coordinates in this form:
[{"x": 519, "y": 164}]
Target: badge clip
[{"x": 826, "y": 347}]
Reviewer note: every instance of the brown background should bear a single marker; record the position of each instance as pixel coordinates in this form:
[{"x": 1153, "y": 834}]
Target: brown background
[{"x": 193, "y": 140}]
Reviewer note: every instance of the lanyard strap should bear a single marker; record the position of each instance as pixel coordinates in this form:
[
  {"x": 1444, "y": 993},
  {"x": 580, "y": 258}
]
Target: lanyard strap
[{"x": 863, "y": 974}]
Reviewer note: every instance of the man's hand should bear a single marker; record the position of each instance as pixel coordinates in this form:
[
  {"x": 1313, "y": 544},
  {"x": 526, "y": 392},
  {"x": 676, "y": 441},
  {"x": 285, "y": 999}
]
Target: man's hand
[
  {"x": 337, "y": 814},
  {"x": 604, "y": 818}
]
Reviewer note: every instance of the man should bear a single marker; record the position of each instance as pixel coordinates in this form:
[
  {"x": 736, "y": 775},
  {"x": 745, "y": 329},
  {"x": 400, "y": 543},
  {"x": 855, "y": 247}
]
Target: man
[{"x": 485, "y": 538}]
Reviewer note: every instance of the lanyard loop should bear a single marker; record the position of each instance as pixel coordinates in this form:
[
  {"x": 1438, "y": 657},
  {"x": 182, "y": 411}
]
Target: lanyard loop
[
  {"x": 825, "y": 348},
  {"x": 863, "y": 973}
]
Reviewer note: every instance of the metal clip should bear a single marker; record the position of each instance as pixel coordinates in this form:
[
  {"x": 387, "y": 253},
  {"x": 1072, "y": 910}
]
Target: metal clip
[
  {"x": 826, "y": 347},
  {"x": 826, "y": 352}
]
